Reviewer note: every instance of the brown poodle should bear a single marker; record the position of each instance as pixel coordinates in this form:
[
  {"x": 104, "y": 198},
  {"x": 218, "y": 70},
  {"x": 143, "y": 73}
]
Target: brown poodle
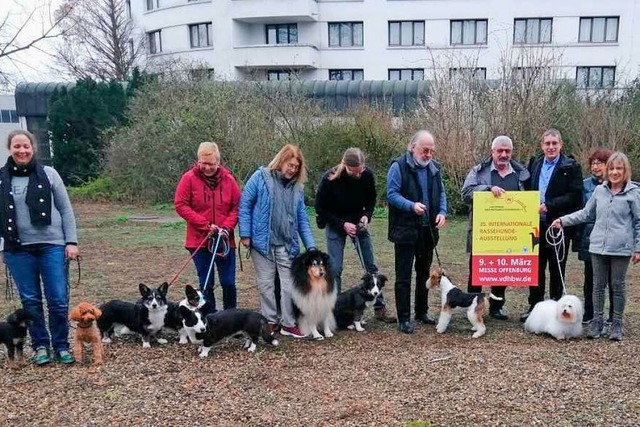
[{"x": 86, "y": 332}]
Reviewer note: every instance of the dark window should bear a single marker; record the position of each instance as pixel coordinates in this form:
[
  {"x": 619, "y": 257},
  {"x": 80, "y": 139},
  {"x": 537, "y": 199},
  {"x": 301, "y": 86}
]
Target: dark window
[
  {"x": 13, "y": 114},
  {"x": 532, "y": 30},
  {"x": 346, "y": 74},
  {"x": 153, "y": 4},
  {"x": 200, "y": 35},
  {"x": 599, "y": 30},
  {"x": 5, "y": 116},
  {"x": 155, "y": 42},
  {"x": 595, "y": 77},
  {"x": 346, "y": 34},
  {"x": 282, "y": 34},
  {"x": 278, "y": 75},
  {"x": 128, "y": 7},
  {"x": 406, "y": 33},
  {"x": 468, "y": 73},
  {"x": 406, "y": 74},
  {"x": 469, "y": 31}
]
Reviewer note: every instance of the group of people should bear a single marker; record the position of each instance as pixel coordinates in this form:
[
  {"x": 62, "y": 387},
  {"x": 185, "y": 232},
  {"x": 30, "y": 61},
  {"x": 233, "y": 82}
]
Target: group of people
[{"x": 39, "y": 228}]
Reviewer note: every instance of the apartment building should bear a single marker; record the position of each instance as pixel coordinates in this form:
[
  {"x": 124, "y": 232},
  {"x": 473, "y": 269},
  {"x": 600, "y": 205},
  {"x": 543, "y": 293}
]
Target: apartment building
[{"x": 588, "y": 41}]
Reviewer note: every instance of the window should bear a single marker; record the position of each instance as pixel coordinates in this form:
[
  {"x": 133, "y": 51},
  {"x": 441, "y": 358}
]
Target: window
[
  {"x": 278, "y": 75},
  {"x": 532, "y": 31},
  {"x": 531, "y": 73},
  {"x": 406, "y": 33},
  {"x": 470, "y": 31},
  {"x": 282, "y": 34},
  {"x": 8, "y": 116},
  {"x": 128, "y": 7},
  {"x": 468, "y": 73},
  {"x": 200, "y": 74},
  {"x": 153, "y": 4},
  {"x": 155, "y": 42},
  {"x": 346, "y": 74},
  {"x": 599, "y": 30},
  {"x": 595, "y": 77},
  {"x": 346, "y": 34},
  {"x": 406, "y": 74},
  {"x": 200, "y": 35}
]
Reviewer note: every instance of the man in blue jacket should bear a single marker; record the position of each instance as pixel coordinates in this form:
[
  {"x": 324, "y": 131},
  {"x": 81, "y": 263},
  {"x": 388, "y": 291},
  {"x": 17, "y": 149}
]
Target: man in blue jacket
[{"x": 417, "y": 209}]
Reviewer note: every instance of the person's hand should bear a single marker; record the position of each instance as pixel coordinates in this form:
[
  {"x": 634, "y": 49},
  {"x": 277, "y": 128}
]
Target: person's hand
[
  {"x": 71, "y": 252},
  {"x": 419, "y": 208},
  {"x": 212, "y": 228},
  {"x": 542, "y": 209},
  {"x": 350, "y": 228},
  {"x": 364, "y": 221},
  {"x": 246, "y": 242},
  {"x": 636, "y": 257},
  {"x": 440, "y": 221},
  {"x": 497, "y": 191},
  {"x": 557, "y": 223}
]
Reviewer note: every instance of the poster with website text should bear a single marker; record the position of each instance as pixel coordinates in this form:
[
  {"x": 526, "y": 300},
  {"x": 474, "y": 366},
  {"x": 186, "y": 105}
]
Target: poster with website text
[{"x": 505, "y": 239}]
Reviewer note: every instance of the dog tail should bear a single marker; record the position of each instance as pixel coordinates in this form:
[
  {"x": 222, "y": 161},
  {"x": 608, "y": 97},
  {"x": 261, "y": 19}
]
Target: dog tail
[
  {"x": 267, "y": 334},
  {"x": 492, "y": 296}
]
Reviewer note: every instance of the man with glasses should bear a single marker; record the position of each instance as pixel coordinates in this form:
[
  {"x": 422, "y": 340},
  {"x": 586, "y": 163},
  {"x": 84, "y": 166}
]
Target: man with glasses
[
  {"x": 498, "y": 173},
  {"x": 344, "y": 207},
  {"x": 559, "y": 179},
  {"x": 417, "y": 209}
]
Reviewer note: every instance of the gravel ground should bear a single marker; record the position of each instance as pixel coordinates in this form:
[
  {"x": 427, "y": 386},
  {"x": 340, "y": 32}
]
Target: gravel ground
[{"x": 379, "y": 377}]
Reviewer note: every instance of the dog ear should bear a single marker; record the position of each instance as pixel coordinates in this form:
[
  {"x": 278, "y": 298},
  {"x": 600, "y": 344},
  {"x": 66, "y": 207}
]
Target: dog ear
[
  {"x": 96, "y": 312},
  {"x": 184, "y": 312},
  {"x": 325, "y": 258},
  {"x": 190, "y": 292},
  {"x": 164, "y": 288},
  {"x": 144, "y": 289},
  {"x": 75, "y": 314},
  {"x": 382, "y": 279}
]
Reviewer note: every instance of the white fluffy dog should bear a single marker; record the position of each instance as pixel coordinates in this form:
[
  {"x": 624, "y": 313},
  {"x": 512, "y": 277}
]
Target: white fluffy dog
[{"x": 561, "y": 319}]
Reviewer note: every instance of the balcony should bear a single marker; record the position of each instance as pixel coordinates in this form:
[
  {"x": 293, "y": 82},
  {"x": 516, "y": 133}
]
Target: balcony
[
  {"x": 298, "y": 56},
  {"x": 273, "y": 11}
]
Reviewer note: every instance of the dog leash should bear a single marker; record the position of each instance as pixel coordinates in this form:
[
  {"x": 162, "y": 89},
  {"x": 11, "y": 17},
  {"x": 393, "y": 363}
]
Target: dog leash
[
  {"x": 68, "y": 267},
  {"x": 189, "y": 258},
  {"x": 214, "y": 253},
  {"x": 356, "y": 245},
  {"x": 433, "y": 239},
  {"x": 555, "y": 238}
]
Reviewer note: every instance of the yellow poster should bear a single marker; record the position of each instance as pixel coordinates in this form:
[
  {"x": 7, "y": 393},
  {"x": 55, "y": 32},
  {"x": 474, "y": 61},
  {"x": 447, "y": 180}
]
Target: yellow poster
[{"x": 505, "y": 239}]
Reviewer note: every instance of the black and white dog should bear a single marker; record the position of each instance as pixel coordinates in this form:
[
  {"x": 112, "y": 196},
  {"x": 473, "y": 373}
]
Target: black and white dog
[
  {"x": 231, "y": 322},
  {"x": 146, "y": 317},
  {"x": 13, "y": 333},
  {"x": 194, "y": 301},
  {"x": 351, "y": 304}
]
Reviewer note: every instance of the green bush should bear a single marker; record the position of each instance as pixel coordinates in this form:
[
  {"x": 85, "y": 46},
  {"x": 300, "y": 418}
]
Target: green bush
[{"x": 99, "y": 189}]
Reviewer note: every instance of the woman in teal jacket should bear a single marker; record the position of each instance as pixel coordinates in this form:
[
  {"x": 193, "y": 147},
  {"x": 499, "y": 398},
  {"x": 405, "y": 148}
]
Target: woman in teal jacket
[
  {"x": 615, "y": 207},
  {"x": 272, "y": 218}
]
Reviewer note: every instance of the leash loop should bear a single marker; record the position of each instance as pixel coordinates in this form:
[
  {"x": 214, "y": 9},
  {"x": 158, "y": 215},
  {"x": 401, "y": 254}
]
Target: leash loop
[{"x": 555, "y": 239}]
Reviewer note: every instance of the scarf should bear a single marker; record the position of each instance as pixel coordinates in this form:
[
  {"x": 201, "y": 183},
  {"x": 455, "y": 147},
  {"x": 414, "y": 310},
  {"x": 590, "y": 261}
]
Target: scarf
[
  {"x": 38, "y": 199},
  {"x": 213, "y": 180}
]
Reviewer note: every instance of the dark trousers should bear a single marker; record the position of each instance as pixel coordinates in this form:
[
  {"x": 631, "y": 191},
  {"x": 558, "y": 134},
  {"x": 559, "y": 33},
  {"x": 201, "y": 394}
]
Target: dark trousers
[
  {"x": 498, "y": 291},
  {"x": 588, "y": 292},
  {"x": 547, "y": 256},
  {"x": 405, "y": 253}
]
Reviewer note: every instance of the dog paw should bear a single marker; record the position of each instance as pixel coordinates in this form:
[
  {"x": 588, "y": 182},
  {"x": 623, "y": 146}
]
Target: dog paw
[
  {"x": 161, "y": 341},
  {"x": 252, "y": 348},
  {"x": 351, "y": 327},
  {"x": 275, "y": 343},
  {"x": 183, "y": 340},
  {"x": 146, "y": 345},
  {"x": 478, "y": 334},
  {"x": 440, "y": 329},
  {"x": 360, "y": 329},
  {"x": 247, "y": 344},
  {"x": 318, "y": 337},
  {"x": 106, "y": 340},
  {"x": 328, "y": 334}
]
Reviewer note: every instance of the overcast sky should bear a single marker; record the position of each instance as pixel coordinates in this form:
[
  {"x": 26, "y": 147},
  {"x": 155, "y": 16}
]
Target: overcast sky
[{"x": 33, "y": 64}]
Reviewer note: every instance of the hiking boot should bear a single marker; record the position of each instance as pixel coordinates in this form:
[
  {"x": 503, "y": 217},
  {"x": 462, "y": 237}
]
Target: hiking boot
[
  {"x": 291, "y": 331},
  {"x": 41, "y": 357},
  {"x": 380, "y": 313},
  {"x": 406, "y": 327},
  {"x": 615, "y": 332},
  {"x": 64, "y": 357},
  {"x": 596, "y": 328},
  {"x": 425, "y": 319},
  {"x": 606, "y": 328},
  {"x": 499, "y": 314}
]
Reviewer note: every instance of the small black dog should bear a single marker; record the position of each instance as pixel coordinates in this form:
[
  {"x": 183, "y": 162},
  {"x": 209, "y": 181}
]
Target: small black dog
[
  {"x": 231, "y": 322},
  {"x": 351, "y": 304},
  {"x": 145, "y": 317},
  {"x": 13, "y": 333}
]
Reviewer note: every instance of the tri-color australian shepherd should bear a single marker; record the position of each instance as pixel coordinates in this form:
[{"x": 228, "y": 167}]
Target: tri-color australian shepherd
[
  {"x": 314, "y": 294},
  {"x": 351, "y": 304}
]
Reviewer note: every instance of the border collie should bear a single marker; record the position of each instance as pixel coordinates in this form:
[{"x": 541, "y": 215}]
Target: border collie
[
  {"x": 351, "y": 304},
  {"x": 13, "y": 334},
  {"x": 193, "y": 301},
  {"x": 231, "y": 322},
  {"x": 145, "y": 317},
  {"x": 313, "y": 293}
]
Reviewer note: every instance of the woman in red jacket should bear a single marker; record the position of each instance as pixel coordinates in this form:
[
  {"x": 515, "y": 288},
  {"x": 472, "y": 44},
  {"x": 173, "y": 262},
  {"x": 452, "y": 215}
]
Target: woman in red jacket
[{"x": 207, "y": 197}]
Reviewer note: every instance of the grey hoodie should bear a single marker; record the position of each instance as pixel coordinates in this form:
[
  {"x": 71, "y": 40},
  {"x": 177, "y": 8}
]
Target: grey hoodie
[{"x": 617, "y": 220}]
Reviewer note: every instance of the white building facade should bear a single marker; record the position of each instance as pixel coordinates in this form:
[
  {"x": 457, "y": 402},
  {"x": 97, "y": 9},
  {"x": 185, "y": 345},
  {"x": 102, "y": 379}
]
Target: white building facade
[
  {"x": 589, "y": 41},
  {"x": 9, "y": 122}
]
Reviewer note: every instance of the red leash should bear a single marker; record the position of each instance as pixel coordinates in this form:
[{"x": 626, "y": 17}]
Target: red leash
[{"x": 190, "y": 258}]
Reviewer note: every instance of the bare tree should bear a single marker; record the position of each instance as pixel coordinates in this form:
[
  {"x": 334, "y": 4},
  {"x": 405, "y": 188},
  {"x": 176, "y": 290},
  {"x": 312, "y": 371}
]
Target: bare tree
[
  {"x": 25, "y": 27},
  {"x": 98, "y": 41}
]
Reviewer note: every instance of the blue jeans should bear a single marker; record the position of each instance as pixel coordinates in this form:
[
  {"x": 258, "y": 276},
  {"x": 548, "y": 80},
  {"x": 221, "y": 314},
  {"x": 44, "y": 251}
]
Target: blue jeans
[
  {"x": 335, "y": 247},
  {"x": 33, "y": 271},
  {"x": 226, "y": 267}
]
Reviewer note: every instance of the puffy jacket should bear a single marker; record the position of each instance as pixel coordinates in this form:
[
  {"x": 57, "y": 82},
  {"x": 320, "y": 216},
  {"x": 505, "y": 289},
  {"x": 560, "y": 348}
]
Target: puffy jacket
[
  {"x": 616, "y": 230},
  {"x": 582, "y": 243},
  {"x": 255, "y": 214},
  {"x": 200, "y": 205}
]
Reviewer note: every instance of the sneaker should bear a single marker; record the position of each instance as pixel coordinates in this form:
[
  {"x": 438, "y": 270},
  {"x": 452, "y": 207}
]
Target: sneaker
[
  {"x": 499, "y": 314},
  {"x": 615, "y": 332},
  {"x": 596, "y": 329},
  {"x": 291, "y": 331},
  {"x": 64, "y": 357},
  {"x": 41, "y": 356},
  {"x": 380, "y": 314},
  {"x": 406, "y": 327},
  {"x": 606, "y": 328},
  {"x": 426, "y": 319}
]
